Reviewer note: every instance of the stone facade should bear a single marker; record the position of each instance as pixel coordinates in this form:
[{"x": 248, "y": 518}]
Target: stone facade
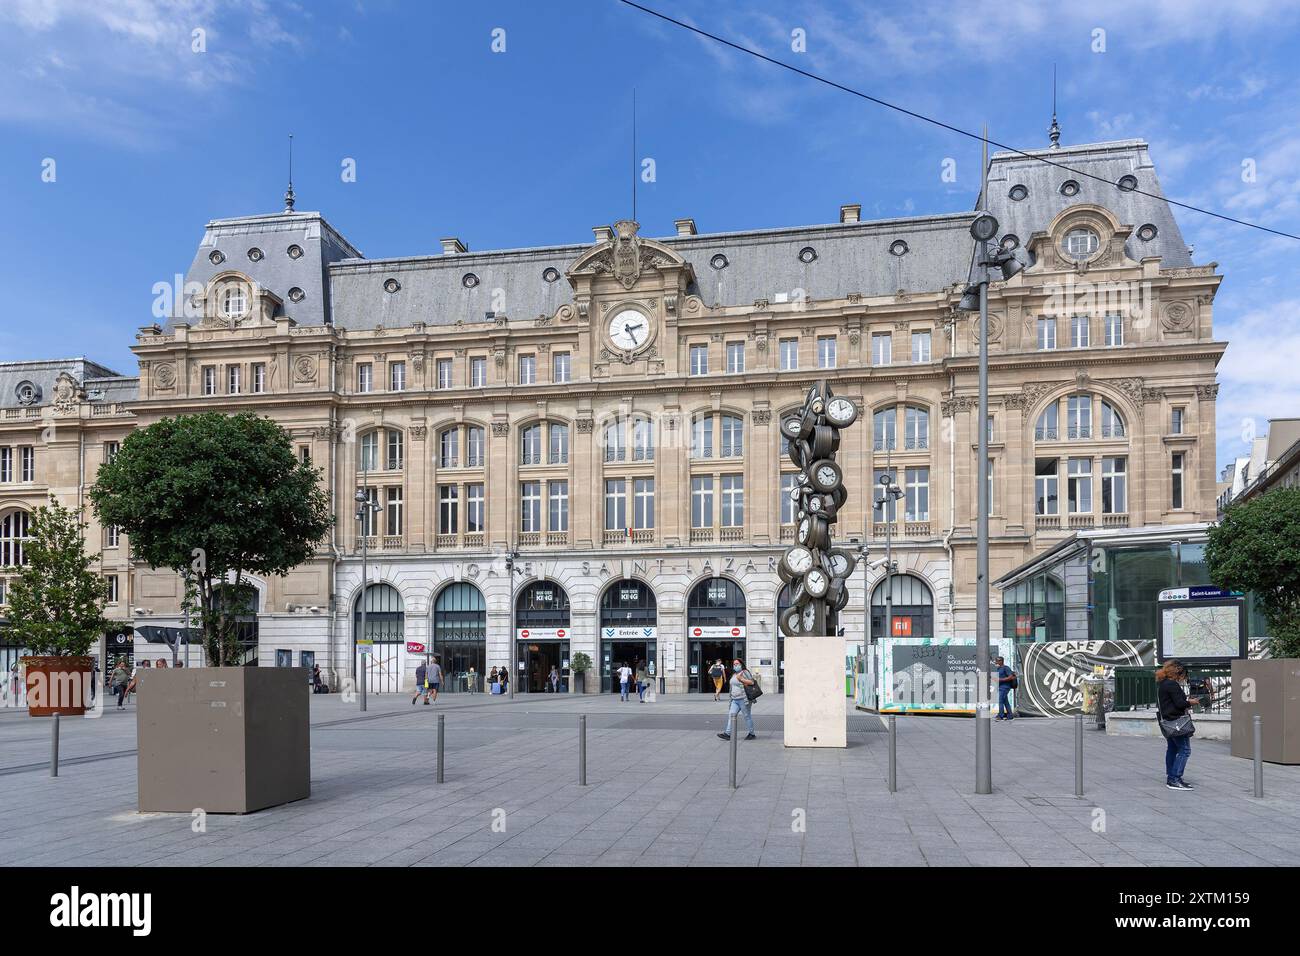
[{"x": 653, "y": 336}]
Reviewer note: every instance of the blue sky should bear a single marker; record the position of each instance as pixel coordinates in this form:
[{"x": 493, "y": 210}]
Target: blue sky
[{"x": 529, "y": 146}]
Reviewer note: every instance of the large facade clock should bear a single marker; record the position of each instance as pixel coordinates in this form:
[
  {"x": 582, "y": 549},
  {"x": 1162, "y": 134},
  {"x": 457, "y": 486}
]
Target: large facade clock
[{"x": 629, "y": 330}]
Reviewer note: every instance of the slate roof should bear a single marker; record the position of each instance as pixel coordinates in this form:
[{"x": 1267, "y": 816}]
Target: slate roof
[
  {"x": 1045, "y": 200},
  {"x": 44, "y": 373}
]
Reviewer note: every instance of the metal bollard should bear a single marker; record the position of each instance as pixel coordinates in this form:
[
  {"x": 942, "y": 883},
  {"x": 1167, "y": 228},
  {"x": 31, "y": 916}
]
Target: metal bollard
[
  {"x": 54, "y": 747},
  {"x": 442, "y": 733},
  {"x": 582, "y": 750},
  {"x": 1078, "y": 755},
  {"x": 893, "y": 754},
  {"x": 1259, "y": 755},
  {"x": 735, "y": 735}
]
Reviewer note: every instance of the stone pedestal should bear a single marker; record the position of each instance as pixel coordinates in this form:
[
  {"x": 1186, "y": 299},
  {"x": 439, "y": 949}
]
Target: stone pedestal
[{"x": 815, "y": 712}]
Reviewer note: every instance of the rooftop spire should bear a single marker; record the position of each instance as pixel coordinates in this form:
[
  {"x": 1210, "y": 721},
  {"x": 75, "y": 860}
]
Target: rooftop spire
[
  {"x": 288, "y": 193},
  {"x": 1054, "y": 133}
]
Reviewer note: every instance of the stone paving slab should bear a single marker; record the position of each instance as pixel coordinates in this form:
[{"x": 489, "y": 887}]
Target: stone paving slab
[{"x": 657, "y": 795}]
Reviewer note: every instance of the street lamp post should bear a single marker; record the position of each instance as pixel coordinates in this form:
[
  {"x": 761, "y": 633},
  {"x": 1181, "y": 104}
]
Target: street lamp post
[
  {"x": 891, "y": 491},
  {"x": 983, "y": 229},
  {"x": 511, "y": 669},
  {"x": 365, "y": 511}
]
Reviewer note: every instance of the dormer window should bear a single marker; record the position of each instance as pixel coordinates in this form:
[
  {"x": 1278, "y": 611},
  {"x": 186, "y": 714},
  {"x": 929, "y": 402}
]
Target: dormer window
[
  {"x": 234, "y": 302},
  {"x": 1081, "y": 243}
]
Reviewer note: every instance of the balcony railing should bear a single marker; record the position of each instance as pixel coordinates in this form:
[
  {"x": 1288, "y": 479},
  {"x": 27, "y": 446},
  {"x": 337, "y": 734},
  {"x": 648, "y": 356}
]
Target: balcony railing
[
  {"x": 1082, "y": 521},
  {"x": 1080, "y": 431},
  {"x": 615, "y": 454},
  {"x": 733, "y": 533},
  {"x": 558, "y": 458},
  {"x": 643, "y": 536},
  {"x": 392, "y": 542},
  {"x": 1114, "y": 521},
  {"x": 449, "y": 461},
  {"x": 788, "y": 532},
  {"x": 531, "y": 458},
  {"x": 885, "y": 444},
  {"x": 376, "y": 542},
  {"x": 616, "y": 536},
  {"x": 474, "y": 461},
  {"x": 530, "y": 539},
  {"x": 1047, "y": 522},
  {"x": 916, "y": 529},
  {"x": 557, "y": 538},
  {"x": 1044, "y": 434},
  {"x": 701, "y": 535},
  {"x": 1112, "y": 431},
  {"x": 917, "y": 444},
  {"x": 445, "y": 541}
]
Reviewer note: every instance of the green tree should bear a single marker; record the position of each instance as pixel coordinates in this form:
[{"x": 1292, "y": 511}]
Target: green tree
[
  {"x": 214, "y": 497},
  {"x": 1256, "y": 548},
  {"x": 56, "y": 603}
]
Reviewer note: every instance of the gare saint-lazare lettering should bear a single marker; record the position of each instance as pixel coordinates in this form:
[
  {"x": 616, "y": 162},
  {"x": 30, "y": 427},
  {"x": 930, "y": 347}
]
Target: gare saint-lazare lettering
[{"x": 653, "y": 567}]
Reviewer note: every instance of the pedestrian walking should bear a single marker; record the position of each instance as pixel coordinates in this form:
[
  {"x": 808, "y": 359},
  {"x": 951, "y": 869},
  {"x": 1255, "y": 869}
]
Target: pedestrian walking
[
  {"x": 421, "y": 683},
  {"x": 717, "y": 672},
  {"x": 94, "y": 680},
  {"x": 642, "y": 681},
  {"x": 471, "y": 680},
  {"x": 316, "y": 679},
  {"x": 624, "y": 675},
  {"x": 1173, "y": 708},
  {"x": 504, "y": 677},
  {"x": 740, "y": 702},
  {"x": 121, "y": 681},
  {"x": 554, "y": 679},
  {"x": 435, "y": 681},
  {"x": 1007, "y": 682}
]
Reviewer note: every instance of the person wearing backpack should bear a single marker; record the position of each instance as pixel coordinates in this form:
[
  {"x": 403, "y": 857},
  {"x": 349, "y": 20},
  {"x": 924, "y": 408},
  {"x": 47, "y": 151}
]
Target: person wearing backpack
[
  {"x": 1172, "y": 713},
  {"x": 717, "y": 673},
  {"x": 741, "y": 700},
  {"x": 1007, "y": 682}
]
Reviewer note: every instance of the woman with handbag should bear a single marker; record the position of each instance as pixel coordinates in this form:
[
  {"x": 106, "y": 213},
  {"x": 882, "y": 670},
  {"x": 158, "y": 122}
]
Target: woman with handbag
[
  {"x": 744, "y": 691},
  {"x": 1172, "y": 713}
]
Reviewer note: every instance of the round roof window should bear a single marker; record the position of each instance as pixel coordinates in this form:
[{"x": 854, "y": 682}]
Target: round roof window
[
  {"x": 719, "y": 261},
  {"x": 1128, "y": 183},
  {"x": 1019, "y": 192},
  {"x": 551, "y": 275},
  {"x": 216, "y": 257},
  {"x": 469, "y": 280},
  {"x": 1147, "y": 232},
  {"x": 807, "y": 254},
  {"x": 295, "y": 252},
  {"x": 391, "y": 285},
  {"x": 296, "y": 294},
  {"x": 898, "y": 248},
  {"x": 254, "y": 254},
  {"x": 1069, "y": 188}
]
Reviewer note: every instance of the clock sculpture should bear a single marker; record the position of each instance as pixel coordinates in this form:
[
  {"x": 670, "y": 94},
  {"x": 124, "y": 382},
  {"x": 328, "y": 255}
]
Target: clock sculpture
[{"x": 816, "y": 573}]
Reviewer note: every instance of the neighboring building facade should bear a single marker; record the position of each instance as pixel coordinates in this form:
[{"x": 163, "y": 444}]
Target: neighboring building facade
[
  {"x": 576, "y": 448},
  {"x": 1274, "y": 462}
]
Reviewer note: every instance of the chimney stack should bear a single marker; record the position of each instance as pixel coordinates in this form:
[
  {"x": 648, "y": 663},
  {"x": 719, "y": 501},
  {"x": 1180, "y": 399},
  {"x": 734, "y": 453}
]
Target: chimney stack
[
  {"x": 685, "y": 227},
  {"x": 451, "y": 247},
  {"x": 851, "y": 212}
]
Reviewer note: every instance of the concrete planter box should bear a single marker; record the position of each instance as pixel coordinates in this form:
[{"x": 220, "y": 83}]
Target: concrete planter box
[
  {"x": 1142, "y": 723},
  {"x": 223, "y": 739},
  {"x": 1271, "y": 689}
]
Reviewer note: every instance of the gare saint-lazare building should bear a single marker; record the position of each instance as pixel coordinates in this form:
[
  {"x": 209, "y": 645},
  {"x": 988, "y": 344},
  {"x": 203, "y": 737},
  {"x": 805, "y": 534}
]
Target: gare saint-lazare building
[{"x": 576, "y": 448}]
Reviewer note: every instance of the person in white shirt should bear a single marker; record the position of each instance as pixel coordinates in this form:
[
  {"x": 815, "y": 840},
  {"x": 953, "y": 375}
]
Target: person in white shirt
[{"x": 624, "y": 675}]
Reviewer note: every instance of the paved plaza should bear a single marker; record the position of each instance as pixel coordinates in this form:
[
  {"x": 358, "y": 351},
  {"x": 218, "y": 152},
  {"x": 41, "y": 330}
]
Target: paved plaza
[{"x": 657, "y": 794}]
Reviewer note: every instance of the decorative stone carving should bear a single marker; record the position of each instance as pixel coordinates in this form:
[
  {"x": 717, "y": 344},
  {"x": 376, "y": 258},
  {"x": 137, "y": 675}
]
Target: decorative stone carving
[
  {"x": 542, "y": 321},
  {"x": 855, "y": 335},
  {"x": 715, "y": 336},
  {"x": 854, "y": 298},
  {"x": 499, "y": 355},
  {"x": 762, "y": 416},
  {"x": 66, "y": 394},
  {"x": 585, "y": 426},
  {"x": 995, "y": 330},
  {"x": 164, "y": 377},
  {"x": 670, "y": 303},
  {"x": 1178, "y": 317},
  {"x": 417, "y": 359},
  {"x": 1207, "y": 393},
  {"x": 500, "y": 429},
  {"x": 304, "y": 369},
  {"x": 761, "y": 305},
  {"x": 961, "y": 403},
  {"x": 584, "y": 308},
  {"x": 323, "y": 432},
  {"x": 419, "y": 431},
  {"x": 626, "y": 253},
  {"x": 760, "y": 341}
]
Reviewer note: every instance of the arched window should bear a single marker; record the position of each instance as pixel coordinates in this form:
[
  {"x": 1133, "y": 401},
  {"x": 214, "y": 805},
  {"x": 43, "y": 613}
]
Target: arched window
[
  {"x": 1112, "y": 425},
  {"x": 460, "y": 636},
  {"x": 558, "y": 448},
  {"x": 715, "y": 602},
  {"x": 530, "y": 445},
  {"x": 385, "y": 615},
  {"x": 368, "y": 452},
  {"x": 628, "y": 603},
  {"x": 615, "y": 441},
  {"x": 1079, "y": 410},
  {"x": 234, "y": 303},
  {"x": 917, "y": 435},
  {"x": 884, "y": 426},
  {"x": 475, "y": 446},
  {"x": 1048, "y": 427},
  {"x": 449, "y": 448},
  {"x": 14, "y": 534},
  {"x": 396, "y": 450},
  {"x": 702, "y": 436},
  {"x": 913, "y": 607},
  {"x": 542, "y": 604}
]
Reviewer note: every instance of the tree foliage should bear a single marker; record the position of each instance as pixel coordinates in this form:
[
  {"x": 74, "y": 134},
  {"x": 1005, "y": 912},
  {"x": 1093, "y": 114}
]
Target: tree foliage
[
  {"x": 56, "y": 603},
  {"x": 214, "y": 497},
  {"x": 1256, "y": 548}
]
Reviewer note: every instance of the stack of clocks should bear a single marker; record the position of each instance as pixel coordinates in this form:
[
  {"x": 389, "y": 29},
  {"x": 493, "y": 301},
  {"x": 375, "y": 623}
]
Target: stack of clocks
[{"x": 817, "y": 574}]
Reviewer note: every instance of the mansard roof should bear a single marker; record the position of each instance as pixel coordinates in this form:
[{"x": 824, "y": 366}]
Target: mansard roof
[{"x": 102, "y": 384}]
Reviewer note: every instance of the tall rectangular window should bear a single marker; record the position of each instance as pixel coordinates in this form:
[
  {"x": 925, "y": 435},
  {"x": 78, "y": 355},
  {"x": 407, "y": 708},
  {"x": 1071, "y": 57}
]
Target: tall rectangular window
[
  {"x": 530, "y": 506},
  {"x": 643, "y": 440},
  {"x": 1176, "y": 480},
  {"x": 111, "y": 449},
  {"x": 1114, "y": 330},
  {"x": 527, "y": 369},
  {"x": 733, "y": 501},
  {"x": 735, "y": 357},
  {"x": 921, "y": 346},
  {"x": 475, "y": 446},
  {"x": 1079, "y": 486},
  {"x": 699, "y": 360},
  {"x": 789, "y": 354},
  {"x": 1045, "y": 486},
  {"x": 789, "y": 507},
  {"x": 559, "y": 444},
  {"x": 444, "y": 373},
  {"x": 304, "y": 454},
  {"x": 393, "y": 495},
  {"x": 530, "y": 445},
  {"x": 733, "y": 436},
  {"x": 364, "y": 381},
  {"x": 395, "y": 449},
  {"x": 882, "y": 348},
  {"x": 449, "y": 448},
  {"x": 474, "y": 509},
  {"x": 1176, "y": 420},
  {"x": 884, "y": 425},
  {"x": 643, "y": 511},
  {"x": 1114, "y": 497},
  {"x": 615, "y": 441},
  {"x": 918, "y": 428},
  {"x": 448, "y": 509},
  {"x": 557, "y": 506},
  {"x": 369, "y": 521},
  {"x": 992, "y": 485},
  {"x": 1046, "y": 334},
  {"x": 259, "y": 377},
  {"x": 917, "y": 502},
  {"x": 1079, "y": 332},
  {"x": 369, "y": 452},
  {"x": 702, "y": 501},
  {"x": 478, "y": 372},
  {"x": 233, "y": 379},
  {"x": 27, "y": 462},
  {"x": 112, "y": 536},
  {"x": 702, "y": 437},
  {"x": 888, "y": 510},
  {"x": 209, "y": 380},
  {"x": 826, "y": 351},
  {"x": 560, "y": 367},
  {"x": 397, "y": 376},
  {"x": 6, "y": 464},
  {"x": 1080, "y": 416},
  {"x": 110, "y": 590},
  {"x": 615, "y": 504}
]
